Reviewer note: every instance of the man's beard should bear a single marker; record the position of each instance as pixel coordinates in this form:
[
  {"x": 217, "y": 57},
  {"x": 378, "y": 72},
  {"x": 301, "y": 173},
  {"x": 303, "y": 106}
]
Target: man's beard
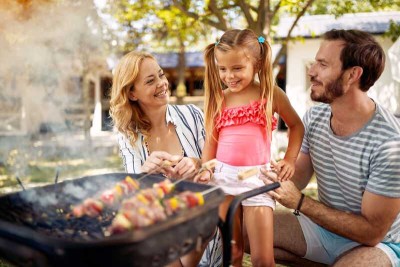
[{"x": 332, "y": 91}]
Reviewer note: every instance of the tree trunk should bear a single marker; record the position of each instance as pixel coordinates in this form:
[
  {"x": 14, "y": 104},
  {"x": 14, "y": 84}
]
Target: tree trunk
[{"x": 181, "y": 88}]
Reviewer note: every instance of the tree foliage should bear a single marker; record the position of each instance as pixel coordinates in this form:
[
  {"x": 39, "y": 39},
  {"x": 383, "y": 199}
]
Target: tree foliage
[
  {"x": 155, "y": 23},
  {"x": 340, "y": 7},
  {"x": 221, "y": 15}
]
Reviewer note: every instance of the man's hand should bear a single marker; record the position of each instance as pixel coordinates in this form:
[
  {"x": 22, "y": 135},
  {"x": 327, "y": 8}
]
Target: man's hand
[{"x": 287, "y": 194}]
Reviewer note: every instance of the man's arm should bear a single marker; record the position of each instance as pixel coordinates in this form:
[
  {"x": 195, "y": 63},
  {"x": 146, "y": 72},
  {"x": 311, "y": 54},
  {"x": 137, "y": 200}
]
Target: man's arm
[
  {"x": 369, "y": 228},
  {"x": 303, "y": 172}
]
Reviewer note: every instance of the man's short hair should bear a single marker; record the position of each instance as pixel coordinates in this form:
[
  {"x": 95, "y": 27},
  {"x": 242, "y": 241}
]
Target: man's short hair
[{"x": 360, "y": 49}]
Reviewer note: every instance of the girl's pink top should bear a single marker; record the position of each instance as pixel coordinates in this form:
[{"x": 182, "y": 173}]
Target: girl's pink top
[{"x": 243, "y": 139}]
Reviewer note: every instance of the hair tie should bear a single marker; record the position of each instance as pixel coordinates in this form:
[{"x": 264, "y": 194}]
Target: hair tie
[
  {"x": 261, "y": 39},
  {"x": 216, "y": 43}
]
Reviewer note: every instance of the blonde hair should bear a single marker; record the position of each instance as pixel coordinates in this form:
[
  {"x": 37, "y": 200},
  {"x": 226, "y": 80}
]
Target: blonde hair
[
  {"x": 128, "y": 118},
  {"x": 259, "y": 50}
]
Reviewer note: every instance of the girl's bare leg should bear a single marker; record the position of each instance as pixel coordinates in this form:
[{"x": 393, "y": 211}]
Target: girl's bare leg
[{"x": 259, "y": 226}]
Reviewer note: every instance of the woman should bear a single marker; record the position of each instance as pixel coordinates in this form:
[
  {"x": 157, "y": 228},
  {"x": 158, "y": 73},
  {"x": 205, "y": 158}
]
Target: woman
[{"x": 150, "y": 130}]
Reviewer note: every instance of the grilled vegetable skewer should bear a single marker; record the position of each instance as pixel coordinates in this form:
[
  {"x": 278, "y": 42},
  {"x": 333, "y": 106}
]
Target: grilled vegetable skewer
[
  {"x": 139, "y": 211},
  {"x": 93, "y": 207}
]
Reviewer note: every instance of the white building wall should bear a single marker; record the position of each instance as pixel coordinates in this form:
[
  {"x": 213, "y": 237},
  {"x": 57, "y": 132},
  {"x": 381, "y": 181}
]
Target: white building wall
[{"x": 301, "y": 53}]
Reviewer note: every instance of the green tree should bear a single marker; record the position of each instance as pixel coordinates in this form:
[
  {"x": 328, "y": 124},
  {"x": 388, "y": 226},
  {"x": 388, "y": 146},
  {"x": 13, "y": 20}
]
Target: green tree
[
  {"x": 261, "y": 15},
  {"x": 159, "y": 24},
  {"x": 256, "y": 15}
]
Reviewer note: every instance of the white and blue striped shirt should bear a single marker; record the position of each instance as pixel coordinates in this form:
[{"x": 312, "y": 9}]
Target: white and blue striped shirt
[
  {"x": 189, "y": 125},
  {"x": 345, "y": 167}
]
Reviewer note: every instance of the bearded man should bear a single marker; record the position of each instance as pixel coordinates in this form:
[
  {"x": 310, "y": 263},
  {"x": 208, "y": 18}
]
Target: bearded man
[{"x": 352, "y": 145}]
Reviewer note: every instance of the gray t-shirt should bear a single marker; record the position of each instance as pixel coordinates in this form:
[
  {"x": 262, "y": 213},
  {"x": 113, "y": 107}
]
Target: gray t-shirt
[{"x": 347, "y": 166}]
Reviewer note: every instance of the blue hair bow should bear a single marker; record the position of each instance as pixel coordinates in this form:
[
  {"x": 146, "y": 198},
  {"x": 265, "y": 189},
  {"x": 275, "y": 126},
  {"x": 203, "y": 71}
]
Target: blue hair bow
[{"x": 261, "y": 39}]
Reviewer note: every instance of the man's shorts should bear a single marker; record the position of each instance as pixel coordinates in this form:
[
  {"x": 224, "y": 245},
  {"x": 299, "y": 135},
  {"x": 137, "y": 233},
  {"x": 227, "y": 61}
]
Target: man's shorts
[
  {"x": 226, "y": 177},
  {"x": 324, "y": 246}
]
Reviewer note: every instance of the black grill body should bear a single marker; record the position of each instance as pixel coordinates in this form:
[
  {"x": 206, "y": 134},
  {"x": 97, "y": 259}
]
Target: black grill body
[{"x": 36, "y": 228}]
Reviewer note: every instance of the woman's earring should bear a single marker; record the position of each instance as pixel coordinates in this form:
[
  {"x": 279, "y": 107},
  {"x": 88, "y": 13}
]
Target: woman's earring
[{"x": 132, "y": 97}]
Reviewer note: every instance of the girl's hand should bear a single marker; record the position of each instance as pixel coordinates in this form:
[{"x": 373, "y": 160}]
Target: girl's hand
[
  {"x": 186, "y": 167},
  {"x": 155, "y": 163},
  {"x": 284, "y": 168},
  {"x": 203, "y": 177}
]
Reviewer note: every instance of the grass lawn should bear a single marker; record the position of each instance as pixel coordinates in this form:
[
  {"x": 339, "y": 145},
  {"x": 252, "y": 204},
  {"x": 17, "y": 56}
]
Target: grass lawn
[{"x": 40, "y": 172}]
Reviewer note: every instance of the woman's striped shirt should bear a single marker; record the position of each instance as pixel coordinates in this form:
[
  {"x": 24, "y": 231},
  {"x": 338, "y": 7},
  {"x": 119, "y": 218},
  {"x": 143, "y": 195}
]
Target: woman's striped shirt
[{"x": 189, "y": 125}]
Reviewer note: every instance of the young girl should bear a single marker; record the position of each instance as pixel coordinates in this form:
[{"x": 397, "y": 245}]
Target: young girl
[{"x": 241, "y": 98}]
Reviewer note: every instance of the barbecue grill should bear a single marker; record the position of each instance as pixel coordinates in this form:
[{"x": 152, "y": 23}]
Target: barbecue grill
[{"x": 36, "y": 228}]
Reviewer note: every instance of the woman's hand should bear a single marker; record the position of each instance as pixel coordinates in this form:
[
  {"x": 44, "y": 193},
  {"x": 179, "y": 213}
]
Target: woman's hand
[
  {"x": 156, "y": 163},
  {"x": 186, "y": 168}
]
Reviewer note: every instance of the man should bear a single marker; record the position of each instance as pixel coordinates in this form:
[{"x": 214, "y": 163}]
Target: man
[{"x": 352, "y": 144}]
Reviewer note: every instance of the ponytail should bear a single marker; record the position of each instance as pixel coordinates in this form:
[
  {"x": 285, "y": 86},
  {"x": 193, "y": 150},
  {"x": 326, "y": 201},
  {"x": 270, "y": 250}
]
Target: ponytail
[{"x": 212, "y": 88}]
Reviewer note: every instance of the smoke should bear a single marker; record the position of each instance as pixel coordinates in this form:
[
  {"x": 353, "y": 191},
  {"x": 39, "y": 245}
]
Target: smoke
[
  {"x": 49, "y": 199},
  {"x": 79, "y": 192},
  {"x": 42, "y": 46},
  {"x": 68, "y": 192},
  {"x": 47, "y": 48}
]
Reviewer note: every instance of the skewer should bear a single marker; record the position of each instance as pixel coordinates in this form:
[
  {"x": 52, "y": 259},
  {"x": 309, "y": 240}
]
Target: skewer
[
  {"x": 134, "y": 215},
  {"x": 208, "y": 165},
  {"x": 20, "y": 182},
  {"x": 165, "y": 163},
  {"x": 247, "y": 173},
  {"x": 56, "y": 178},
  {"x": 205, "y": 166},
  {"x": 212, "y": 189},
  {"x": 95, "y": 206}
]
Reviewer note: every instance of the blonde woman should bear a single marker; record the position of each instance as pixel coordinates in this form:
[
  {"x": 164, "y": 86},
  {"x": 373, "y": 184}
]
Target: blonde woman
[{"x": 150, "y": 130}]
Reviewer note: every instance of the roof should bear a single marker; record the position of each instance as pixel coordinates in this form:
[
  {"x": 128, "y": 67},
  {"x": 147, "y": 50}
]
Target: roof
[
  {"x": 193, "y": 59},
  {"x": 170, "y": 60},
  {"x": 312, "y": 26}
]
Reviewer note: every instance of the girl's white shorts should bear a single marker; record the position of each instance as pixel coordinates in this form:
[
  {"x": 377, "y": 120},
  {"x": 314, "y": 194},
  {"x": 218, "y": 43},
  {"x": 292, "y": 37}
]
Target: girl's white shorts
[{"x": 226, "y": 177}]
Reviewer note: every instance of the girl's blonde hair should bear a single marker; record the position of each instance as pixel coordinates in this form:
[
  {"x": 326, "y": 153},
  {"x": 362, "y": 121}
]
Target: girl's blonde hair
[
  {"x": 128, "y": 118},
  {"x": 259, "y": 51}
]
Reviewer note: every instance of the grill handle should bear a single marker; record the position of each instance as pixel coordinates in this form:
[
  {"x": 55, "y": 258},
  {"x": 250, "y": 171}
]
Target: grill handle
[{"x": 226, "y": 227}]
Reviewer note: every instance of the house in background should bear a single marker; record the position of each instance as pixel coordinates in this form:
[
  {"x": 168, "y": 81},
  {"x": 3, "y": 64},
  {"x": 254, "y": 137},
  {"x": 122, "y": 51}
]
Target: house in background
[
  {"x": 21, "y": 117},
  {"x": 194, "y": 70},
  {"x": 292, "y": 74},
  {"x": 301, "y": 53}
]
